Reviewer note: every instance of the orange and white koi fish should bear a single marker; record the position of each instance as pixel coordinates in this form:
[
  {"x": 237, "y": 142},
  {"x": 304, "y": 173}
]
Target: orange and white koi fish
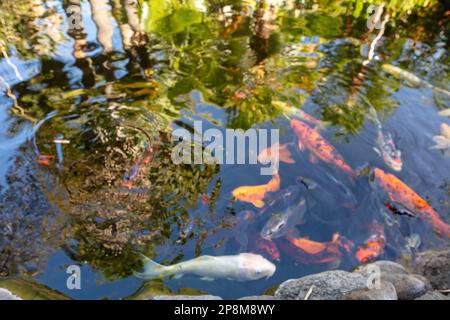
[
  {"x": 256, "y": 194},
  {"x": 318, "y": 146},
  {"x": 400, "y": 193},
  {"x": 269, "y": 248},
  {"x": 374, "y": 246},
  {"x": 269, "y": 155}
]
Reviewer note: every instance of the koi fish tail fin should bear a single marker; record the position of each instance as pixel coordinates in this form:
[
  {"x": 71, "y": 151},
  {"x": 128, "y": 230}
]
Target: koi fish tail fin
[
  {"x": 151, "y": 269},
  {"x": 442, "y": 228}
]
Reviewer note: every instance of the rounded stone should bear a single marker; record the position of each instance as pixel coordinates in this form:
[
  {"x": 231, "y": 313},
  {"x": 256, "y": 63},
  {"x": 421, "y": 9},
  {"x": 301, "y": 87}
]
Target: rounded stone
[
  {"x": 386, "y": 291},
  {"x": 329, "y": 285},
  {"x": 435, "y": 266}
]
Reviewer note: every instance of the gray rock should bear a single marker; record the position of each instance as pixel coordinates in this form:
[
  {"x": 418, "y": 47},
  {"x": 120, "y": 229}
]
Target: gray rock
[
  {"x": 435, "y": 266},
  {"x": 263, "y": 297},
  {"x": 329, "y": 285},
  {"x": 8, "y": 295},
  {"x": 408, "y": 286},
  {"x": 433, "y": 295},
  {"x": 185, "y": 297},
  {"x": 386, "y": 267},
  {"x": 385, "y": 292}
]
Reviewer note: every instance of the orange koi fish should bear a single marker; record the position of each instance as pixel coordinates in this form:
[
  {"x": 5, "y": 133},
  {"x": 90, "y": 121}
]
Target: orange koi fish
[
  {"x": 268, "y": 155},
  {"x": 318, "y": 146},
  {"x": 374, "y": 246},
  {"x": 313, "y": 247},
  {"x": 399, "y": 192},
  {"x": 256, "y": 194},
  {"x": 309, "y": 251},
  {"x": 268, "y": 247}
]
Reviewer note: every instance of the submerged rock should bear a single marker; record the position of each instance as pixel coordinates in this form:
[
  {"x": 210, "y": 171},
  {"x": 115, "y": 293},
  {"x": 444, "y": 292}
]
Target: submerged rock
[
  {"x": 385, "y": 292},
  {"x": 408, "y": 286},
  {"x": 435, "y": 266},
  {"x": 21, "y": 289},
  {"x": 329, "y": 285},
  {"x": 184, "y": 297}
]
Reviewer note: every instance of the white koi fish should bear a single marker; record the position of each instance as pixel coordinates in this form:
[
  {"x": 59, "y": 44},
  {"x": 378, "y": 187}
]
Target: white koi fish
[{"x": 241, "y": 267}]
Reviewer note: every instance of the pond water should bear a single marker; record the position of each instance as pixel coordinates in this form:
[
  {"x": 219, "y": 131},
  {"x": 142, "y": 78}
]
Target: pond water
[{"x": 91, "y": 92}]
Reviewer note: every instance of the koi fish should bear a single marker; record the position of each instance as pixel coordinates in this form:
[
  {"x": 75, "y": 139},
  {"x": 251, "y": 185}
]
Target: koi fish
[
  {"x": 386, "y": 147},
  {"x": 388, "y": 151},
  {"x": 374, "y": 246},
  {"x": 371, "y": 249},
  {"x": 318, "y": 146},
  {"x": 131, "y": 176},
  {"x": 269, "y": 155},
  {"x": 281, "y": 223},
  {"x": 284, "y": 198},
  {"x": 445, "y": 113},
  {"x": 268, "y": 247},
  {"x": 242, "y": 267},
  {"x": 256, "y": 194},
  {"x": 400, "y": 193},
  {"x": 308, "y": 251}
]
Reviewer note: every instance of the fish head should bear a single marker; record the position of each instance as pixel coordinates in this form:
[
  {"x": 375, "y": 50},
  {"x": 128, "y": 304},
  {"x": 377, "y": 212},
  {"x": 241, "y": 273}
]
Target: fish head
[
  {"x": 255, "y": 266},
  {"x": 378, "y": 175},
  {"x": 392, "y": 157},
  {"x": 275, "y": 227},
  {"x": 280, "y": 223},
  {"x": 243, "y": 193}
]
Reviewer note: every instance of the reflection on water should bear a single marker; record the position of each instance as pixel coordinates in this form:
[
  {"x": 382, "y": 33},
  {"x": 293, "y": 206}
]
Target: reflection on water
[{"x": 91, "y": 91}]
